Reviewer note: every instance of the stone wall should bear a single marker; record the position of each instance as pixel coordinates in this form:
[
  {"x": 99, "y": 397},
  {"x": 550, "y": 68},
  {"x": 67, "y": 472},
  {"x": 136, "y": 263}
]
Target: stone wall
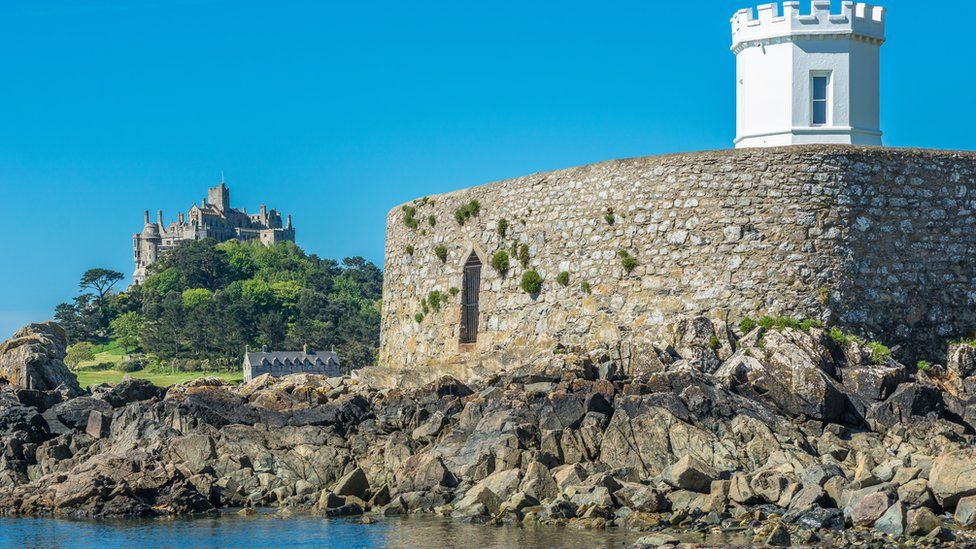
[{"x": 879, "y": 240}]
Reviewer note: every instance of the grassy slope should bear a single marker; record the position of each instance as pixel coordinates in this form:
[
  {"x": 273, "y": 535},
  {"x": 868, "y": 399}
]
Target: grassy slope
[{"x": 162, "y": 379}]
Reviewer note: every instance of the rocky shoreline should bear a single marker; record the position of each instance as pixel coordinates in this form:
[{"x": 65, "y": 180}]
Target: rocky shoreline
[{"x": 781, "y": 436}]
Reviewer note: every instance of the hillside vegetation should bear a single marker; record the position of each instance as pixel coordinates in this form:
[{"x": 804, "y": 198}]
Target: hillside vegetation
[{"x": 205, "y": 302}]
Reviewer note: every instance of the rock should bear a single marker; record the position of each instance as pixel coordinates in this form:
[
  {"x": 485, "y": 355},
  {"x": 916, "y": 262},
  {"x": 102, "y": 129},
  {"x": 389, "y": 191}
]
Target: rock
[
  {"x": 779, "y": 537},
  {"x": 740, "y": 491},
  {"x": 34, "y": 359},
  {"x": 908, "y": 404},
  {"x": 195, "y": 450},
  {"x": 966, "y": 512},
  {"x": 769, "y": 485},
  {"x": 567, "y": 475},
  {"x": 810, "y": 496},
  {"x": 921, "y": 521},
  {"x": 74, "y": 413},
  {"x": 892, "y": 522},
  {"x": 431, "y": 427},
  {"x": 133, "y": 390},
  {"x": 940, "y": 533},
  {"x": 690, "y": 473},
  {"x": 422, "y": 472},
  {"x": 98, "y": 424},
  {"x": 961, "y": 360},
  {"x": 953, "y": 477},
  {"x": 792, "y": 379},
  {"x": 696, "y": 341},
  {"x": 538, "y": 482},
  {"x": 656, "y": 540},
  {"x": 644, "y": 499},
  {"x": 353, "y": 483},
  {"x": 820, "y": 518},
  {"x": 479, "y": 500},
  {"x": 916, "y": 493},
  {"x": 869, "y": 508},
  {"x": 819, "y": 474}
]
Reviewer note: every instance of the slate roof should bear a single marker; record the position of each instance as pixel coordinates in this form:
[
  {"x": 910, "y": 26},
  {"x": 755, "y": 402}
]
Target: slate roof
[{"x": 291, "y": 358}]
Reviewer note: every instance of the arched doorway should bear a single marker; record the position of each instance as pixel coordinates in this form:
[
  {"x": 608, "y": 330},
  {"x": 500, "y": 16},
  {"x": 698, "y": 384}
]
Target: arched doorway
[{"x": 471, "y": 287}]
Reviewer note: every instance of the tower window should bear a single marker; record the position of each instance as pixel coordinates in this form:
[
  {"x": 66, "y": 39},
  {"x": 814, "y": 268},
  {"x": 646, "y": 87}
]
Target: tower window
[{"x": 821, "y": 86}]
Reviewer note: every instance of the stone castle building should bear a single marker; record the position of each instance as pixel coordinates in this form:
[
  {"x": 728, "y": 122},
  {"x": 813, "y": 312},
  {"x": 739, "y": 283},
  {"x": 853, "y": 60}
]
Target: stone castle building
[
  {"x": 212, "y": 218},
  {"x": 879, "y": 240}
]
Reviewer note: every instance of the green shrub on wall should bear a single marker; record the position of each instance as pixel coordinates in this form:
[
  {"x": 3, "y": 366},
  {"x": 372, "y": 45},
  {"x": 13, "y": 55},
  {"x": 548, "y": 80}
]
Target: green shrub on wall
[
  {"x": 563, "y": 278},
  {"x": 408, "y": 217},
  {"x": 431, "y": 220},
  {"x": 435, "y": 298},
  {"x": 499, "y": 261},
  {"x": 523, "y": 255},
  {"x": 627, "y": 261},
  {"x": 453, "y": 291},
  {"x": 609, "y": 218},
  {"x": 467, "y": 211},
  {"x": 585, "y": 287},
  {"x": 441, "y": 253},
  {"x": 502, "y": 227},
  {"x": 410, "y": 249},
  {"x": 419, "y": 317},
  {"x": 531, "y": 282}
]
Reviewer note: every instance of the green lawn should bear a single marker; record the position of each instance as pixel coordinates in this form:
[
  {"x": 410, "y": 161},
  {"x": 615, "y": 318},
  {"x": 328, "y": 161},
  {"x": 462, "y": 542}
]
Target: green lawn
[{"x": 161, "y": 379}]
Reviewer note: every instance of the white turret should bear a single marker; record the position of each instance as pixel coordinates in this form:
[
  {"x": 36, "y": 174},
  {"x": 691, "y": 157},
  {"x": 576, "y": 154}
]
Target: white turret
[{"x": 808, "y": 78}]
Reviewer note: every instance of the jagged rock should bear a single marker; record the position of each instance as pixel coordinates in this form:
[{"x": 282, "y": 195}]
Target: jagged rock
[
  {"x": 965, "y": 513},
  {"x": 34, "y": 359},
  {"x": 423, "y": 472},
  {"x": 353, "y": 483},
  {"x": 695, "y": 340},
  {"x": 779, "y": 537},
  {"x": 98, "y": 424},
  {"x": 74, "y": 413},
  {"x": 820, "y": 518},
  {"x": 961, "y": 360},
  {"x": 689, "y": 473},
  {"x": 916, "y": 493},
  {"x": 538, "y": 482},
  {"x": 818, "y": 474},
  {"x": 922, "y": 521},
  {"x": 194, "y": 450},
  {"x": 132, "y": 390},
  {"x": 431, "y": 427},
  {"x": 769, "y": 485},
  {"x": 892, "y": 522},
  {"x": 791, "y": 378},
  {"x": 909, "y": 403},
  {"x": 953, "y": 476},
  {"x": 869, "y": 508}
]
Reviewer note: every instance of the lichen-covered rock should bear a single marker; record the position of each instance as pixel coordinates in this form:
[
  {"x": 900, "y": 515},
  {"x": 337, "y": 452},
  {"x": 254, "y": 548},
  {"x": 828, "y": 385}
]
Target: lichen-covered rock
[
  {"x": 34, "y": 359},
  {"x": 953, "y": 476}
]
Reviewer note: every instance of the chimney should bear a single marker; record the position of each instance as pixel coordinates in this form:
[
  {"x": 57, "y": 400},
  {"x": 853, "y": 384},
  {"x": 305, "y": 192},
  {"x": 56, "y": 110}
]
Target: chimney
[
  {"x": 288, "y": 226},
  {"x": 264, "y": 348},
  {"x": 305, "y": 348},
  {"x": 264, "y": 211},
  {"x": 180, "y": 216},
  {"x": 159, "y": 217},
  {"x": 146, "y": 213}
]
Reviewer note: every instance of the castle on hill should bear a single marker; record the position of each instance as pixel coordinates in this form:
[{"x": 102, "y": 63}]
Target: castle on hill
[
  {"x": 212, "y": 218},
  {"x": 808, "y": 216}
]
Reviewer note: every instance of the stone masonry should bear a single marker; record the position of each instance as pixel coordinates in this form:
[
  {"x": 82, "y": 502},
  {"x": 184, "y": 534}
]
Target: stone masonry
[{"x": 877, "y": 239}]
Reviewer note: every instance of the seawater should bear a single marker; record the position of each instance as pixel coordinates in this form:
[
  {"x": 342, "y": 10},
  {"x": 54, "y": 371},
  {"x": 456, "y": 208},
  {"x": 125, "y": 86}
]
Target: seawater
[{"x": 268, "y": 529}]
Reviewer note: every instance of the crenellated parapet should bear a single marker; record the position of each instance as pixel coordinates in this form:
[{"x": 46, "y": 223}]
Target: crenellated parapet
[{"x": 859, "y": 21}]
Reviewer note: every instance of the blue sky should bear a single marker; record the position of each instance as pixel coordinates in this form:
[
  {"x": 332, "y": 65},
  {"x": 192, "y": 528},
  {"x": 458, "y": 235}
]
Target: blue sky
[{"x": 335, "y": 112}]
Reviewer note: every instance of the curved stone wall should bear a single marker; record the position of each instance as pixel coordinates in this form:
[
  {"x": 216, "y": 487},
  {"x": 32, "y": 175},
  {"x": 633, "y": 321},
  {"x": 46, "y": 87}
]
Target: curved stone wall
[{"x": 877, "y": 238}]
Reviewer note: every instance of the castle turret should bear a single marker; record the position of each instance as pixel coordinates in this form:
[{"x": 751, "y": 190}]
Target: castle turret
[
  {"x": 219, "y": 196},
  {"x": 808, "y": 78}
]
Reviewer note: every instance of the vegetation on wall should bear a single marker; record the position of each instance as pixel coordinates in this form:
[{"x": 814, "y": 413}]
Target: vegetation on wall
[
  {"x": 467, "y": 211},
  {"x": 627, "y": 261},
  {"x": 436, "y": 298},
  {"x": 563, "y": 278},
  {"x": 408, "y": 217},
  {"x": 207, "y": 301},
  {"x": 502, "y": 227},
  {"x": 609, "y": 218},
  {"x": 410, "y": 249},
  {"x": 441, "y": 252},
  {"x": 585, "y": 287},
  {"x": 523, "y": 255},
  {"x": 431, "y": 220},
  {"x": 500, "y": 262},
  {"x": 531, "y": 282}
]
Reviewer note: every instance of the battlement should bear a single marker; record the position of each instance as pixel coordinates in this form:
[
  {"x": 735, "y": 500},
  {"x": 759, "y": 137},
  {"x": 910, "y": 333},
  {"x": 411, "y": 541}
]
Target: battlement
[{"x": 859, "y": 19}]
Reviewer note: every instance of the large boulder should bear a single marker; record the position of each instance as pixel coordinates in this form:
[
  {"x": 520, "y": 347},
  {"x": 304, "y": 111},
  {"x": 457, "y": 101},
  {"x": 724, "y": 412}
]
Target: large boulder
[
  {"x": 953, "y": 477},
  {"x": 789, "y": 373},
  {"x": 34, "y": 359},
  {"x": 961, "y": 359},
  {"x": 908, "y": 404}
]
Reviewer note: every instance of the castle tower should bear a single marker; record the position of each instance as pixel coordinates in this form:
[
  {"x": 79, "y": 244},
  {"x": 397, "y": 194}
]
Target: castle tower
[
  {"x": 219, "y": 196},
  {"x": 808, "y": 78}
]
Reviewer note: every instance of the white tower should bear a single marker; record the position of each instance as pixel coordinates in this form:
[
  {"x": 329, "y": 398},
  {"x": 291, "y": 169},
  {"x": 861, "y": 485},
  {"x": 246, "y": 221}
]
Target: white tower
[{"x": 811, "y": 78}]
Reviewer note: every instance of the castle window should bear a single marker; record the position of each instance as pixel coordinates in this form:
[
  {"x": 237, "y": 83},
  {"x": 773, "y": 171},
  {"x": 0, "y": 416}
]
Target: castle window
[
  {"x": 820, "y": 94},
  {"x": 471, "y": 288}
]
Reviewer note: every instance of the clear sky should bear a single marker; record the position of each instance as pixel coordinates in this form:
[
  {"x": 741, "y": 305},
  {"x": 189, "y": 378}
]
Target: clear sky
[{"x": 337, "y": 111}]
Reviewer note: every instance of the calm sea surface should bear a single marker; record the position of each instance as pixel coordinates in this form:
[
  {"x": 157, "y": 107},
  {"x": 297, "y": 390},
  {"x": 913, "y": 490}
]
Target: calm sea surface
[{"x": 269, "y": 530}]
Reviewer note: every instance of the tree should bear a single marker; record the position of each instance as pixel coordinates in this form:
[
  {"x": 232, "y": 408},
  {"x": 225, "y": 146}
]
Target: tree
[
  {"x": 78, "y": 353},
  {"x": 126, "y": 329},
  {"x": 100, "y": 281}
]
